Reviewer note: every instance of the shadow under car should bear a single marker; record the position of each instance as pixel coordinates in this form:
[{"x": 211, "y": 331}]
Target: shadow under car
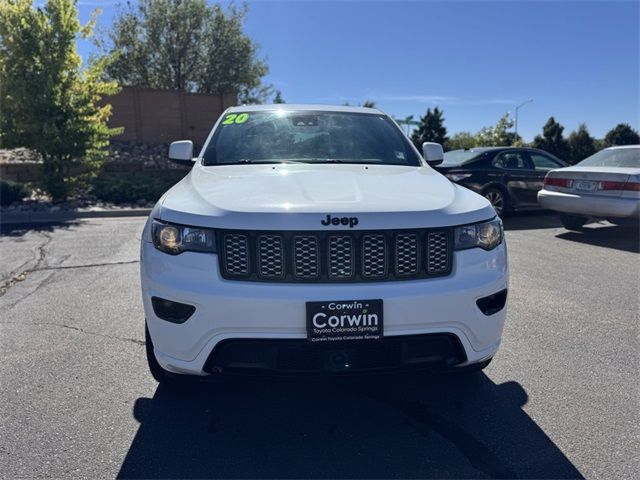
[{"x": 409, "y": 425}]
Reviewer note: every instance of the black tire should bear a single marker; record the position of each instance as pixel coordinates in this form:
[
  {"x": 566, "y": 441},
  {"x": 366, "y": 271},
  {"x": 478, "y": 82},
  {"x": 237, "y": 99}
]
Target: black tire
[
  {"x": 572, "y": 222},
  {"x": 159, "y": 374},
  {"x": 498, "y": 199},
  {"x": 473, "y": 368}
]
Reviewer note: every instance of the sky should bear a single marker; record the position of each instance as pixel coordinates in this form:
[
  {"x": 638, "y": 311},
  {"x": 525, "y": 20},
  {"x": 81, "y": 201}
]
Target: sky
[{"x": 577, "y": 60}]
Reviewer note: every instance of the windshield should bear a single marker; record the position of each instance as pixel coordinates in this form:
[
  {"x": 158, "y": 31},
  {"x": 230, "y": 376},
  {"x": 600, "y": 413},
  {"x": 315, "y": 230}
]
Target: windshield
[
  {"x": 458, "y": 157},
  {"x": 617, "y": 157},
  {"x": 308, "y": 137}
]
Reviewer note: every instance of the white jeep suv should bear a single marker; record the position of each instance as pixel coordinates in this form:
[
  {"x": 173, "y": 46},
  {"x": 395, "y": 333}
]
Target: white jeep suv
[{"x": 317, "y": 239}]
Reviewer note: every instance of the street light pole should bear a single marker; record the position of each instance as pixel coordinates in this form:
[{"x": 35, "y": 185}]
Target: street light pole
[{"x": 518, "y": 108}]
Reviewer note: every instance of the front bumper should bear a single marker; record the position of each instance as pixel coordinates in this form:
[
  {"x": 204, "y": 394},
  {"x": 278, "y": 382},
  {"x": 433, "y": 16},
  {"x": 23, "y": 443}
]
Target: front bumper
[
  {"x": 228, "y": 309},
  {"x": 590, "y": 205}
]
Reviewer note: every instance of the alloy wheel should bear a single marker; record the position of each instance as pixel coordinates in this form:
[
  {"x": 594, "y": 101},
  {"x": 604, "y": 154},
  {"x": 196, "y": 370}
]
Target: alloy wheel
[{"x": 496, "y": 198}]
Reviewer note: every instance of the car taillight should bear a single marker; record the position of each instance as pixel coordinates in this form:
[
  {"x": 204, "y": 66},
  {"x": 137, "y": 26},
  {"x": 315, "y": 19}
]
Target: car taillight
[
  {"x": 558, "y": 182},
  {"x": 629, "y": 186}
]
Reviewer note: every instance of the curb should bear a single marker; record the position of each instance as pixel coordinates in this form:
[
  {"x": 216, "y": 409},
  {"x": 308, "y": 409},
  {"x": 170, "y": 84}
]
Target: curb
[{"x": 65, "y": 216}]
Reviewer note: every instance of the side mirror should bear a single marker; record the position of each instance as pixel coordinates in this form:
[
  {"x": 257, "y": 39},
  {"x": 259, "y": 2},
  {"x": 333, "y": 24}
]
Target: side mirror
[
  {"x": 181, "y": 152},
  {"x": 432, "y": 153}
]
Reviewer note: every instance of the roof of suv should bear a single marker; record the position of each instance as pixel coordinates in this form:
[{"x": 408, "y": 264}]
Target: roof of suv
[{"x": 304, "y": 107}]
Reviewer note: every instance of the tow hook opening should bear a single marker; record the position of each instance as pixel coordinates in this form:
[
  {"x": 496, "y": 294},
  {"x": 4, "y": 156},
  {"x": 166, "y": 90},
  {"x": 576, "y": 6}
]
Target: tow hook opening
[
  {"x": 493, "y": 303},
  {"x": 337, "y": 360}
]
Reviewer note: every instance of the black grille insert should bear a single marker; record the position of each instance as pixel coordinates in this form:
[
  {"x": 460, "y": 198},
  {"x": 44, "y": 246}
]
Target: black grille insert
[
  {"x": 335, "y": 256},
  {"x": 301, "y": 356}
]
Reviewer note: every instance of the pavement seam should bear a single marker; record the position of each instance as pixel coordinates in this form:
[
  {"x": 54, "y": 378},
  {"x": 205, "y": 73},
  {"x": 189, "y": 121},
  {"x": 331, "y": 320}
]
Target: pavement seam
[
  {"x": 78, "y": 329},
  {"x": 5, "y": 286},
  {"x": 67, "y": 267}
]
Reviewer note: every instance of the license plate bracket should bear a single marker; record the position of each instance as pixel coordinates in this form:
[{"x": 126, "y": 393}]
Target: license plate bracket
[{"x": 344, "y": 320}]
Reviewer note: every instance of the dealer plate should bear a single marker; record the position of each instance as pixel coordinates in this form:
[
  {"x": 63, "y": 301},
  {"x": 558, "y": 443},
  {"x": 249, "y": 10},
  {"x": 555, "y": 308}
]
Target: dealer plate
[{"x": 344, "y": 320}]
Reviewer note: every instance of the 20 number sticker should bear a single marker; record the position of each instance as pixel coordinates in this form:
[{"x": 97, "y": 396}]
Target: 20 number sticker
[{"x": 237, "y": 118}]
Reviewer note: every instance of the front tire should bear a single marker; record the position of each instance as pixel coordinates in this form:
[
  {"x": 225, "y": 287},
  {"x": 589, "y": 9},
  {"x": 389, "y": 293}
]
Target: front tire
[
  {"x": 498, "y": 200},
  {"x": 572, "y": 222}
]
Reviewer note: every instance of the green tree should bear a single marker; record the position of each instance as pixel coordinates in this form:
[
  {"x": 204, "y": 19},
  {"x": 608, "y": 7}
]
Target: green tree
[
  {"x": 186, "y": 45},
  {"x": 369, "y": 104},
  {"x": 581, "y": 144},
  {"x": 461, "y": 140},
  {"x": 552, "y": 140},
  {"x": 431, "y": 129},
  {"x": 622, "y": 134},
  {"x": 278, "y": 97},
  {"x": 600, "y": 144},
  {"x": 497, "y": 135},
  {"x": 48, "y": 103}
]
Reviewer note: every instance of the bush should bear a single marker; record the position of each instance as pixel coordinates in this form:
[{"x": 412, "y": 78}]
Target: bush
[
  {"x": 131, "y": 187},
  {"x": 12, "y": 192}
]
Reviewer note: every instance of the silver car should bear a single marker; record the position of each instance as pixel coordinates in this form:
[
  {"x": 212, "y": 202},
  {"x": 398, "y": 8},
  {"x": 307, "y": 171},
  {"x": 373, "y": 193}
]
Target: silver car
[{"x": 605, "y": 185}]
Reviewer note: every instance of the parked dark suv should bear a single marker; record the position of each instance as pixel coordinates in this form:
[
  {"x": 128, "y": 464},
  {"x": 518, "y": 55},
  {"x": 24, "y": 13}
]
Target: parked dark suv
[{"x": 509, "y": 177}]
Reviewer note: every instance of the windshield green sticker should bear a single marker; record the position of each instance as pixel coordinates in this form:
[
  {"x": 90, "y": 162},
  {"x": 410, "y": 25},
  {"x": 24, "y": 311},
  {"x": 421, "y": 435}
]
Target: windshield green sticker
[{"x": 237, "y": 118}]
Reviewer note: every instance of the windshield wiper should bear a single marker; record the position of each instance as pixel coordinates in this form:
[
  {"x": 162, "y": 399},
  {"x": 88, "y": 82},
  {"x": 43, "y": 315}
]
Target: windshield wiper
[
  {"x": 326, "y": 160},
  {"x": 246, "y": 160}
]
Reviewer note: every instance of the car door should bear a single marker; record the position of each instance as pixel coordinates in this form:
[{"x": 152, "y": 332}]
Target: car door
[
  {"x": 541, "y": 163},
  {"x": 518, "y": 174}
]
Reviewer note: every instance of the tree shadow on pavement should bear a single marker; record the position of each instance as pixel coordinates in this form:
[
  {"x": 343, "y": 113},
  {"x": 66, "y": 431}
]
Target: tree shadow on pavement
[
  {"x": 405, "y": 426},
  {"x": 20, "y": 229},
  {"x": 625, "y": 238}
]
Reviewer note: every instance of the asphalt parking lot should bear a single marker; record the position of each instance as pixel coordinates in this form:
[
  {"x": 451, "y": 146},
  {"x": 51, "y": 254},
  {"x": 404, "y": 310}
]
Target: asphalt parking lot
[{"x": 561, "y": 399}]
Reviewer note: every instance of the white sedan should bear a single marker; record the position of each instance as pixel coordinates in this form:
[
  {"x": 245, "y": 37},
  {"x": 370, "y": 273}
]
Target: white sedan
[{"x": 604, "y": 185}]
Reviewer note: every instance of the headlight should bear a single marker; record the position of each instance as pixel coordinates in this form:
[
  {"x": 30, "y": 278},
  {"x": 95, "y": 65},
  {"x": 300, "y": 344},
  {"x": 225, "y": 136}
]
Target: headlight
[
  {"x": 175, "y": 239},
  {"x": 487, "y": 235}
]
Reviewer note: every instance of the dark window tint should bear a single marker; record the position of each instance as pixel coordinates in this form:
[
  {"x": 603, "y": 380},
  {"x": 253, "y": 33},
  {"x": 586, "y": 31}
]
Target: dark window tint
[
  {"x": 543, "y": 163},
  {"x": 458, "y": 157},
  {"x": 511, "y": 161}
]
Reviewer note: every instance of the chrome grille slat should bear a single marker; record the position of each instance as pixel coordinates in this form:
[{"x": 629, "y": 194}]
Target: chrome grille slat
[{"x": 334, "y": 256}]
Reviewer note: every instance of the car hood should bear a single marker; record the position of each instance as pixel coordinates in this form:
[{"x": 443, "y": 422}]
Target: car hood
[{"x": 300, "y": 196}]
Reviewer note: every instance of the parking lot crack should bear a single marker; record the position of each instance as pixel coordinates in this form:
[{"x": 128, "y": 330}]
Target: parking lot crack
[
  {"x": 39, "y": 258},
  {"x": 90, "y": 265},
  {"x": 78, "y": 329},
  {"x": 22, "y": 276}
]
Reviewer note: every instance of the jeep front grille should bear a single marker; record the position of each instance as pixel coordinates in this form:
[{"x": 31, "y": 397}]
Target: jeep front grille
[
  {"x": 236, "y": 254},
  {"x": 340, "y": 257},
  {"x": 335, "y": 256},
  {"x": 306, "y": 257}
]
